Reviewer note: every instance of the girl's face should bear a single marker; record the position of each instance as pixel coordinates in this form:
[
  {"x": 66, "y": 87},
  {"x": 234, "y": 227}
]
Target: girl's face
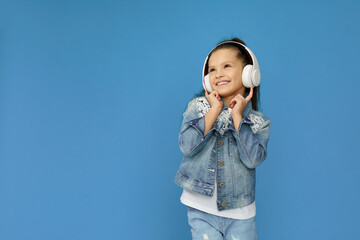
[{"x": 225, "y": 72}]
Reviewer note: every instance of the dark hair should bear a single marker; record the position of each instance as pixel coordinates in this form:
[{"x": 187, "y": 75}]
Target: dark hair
[{"x": 246, "y": 59}]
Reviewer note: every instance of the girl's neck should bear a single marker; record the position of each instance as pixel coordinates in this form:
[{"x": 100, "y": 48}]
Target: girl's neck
[{"x": 228, "y": 99}]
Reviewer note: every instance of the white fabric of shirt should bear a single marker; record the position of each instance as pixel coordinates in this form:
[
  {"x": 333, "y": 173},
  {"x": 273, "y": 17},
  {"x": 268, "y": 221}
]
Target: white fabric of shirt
[{"x": 208, "y": 204}]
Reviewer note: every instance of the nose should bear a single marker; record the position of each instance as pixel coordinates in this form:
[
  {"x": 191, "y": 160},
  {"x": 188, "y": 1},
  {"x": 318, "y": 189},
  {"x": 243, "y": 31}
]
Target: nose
[{"x": 219, "y": 74}]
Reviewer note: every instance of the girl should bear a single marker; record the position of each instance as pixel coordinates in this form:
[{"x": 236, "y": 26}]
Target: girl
[{"x": 223, "y": 138}]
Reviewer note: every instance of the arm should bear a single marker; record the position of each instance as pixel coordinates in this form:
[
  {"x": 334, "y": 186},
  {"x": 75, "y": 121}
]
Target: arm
[
  {"x": 210, "y": 118},
  {"x": 196, "y": 128},
  {"x": 192, "y": 137},
  {"x": 252, "y": 137},
  {"x": 216, "y": 107},
  {"x": 237, "y": 121}
]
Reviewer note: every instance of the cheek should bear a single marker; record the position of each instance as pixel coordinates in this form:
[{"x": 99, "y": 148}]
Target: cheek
[
  {"x": 211, "y": 78},
  {"x": 238, "y": 77},
  {"x": 240, "y": 82}
]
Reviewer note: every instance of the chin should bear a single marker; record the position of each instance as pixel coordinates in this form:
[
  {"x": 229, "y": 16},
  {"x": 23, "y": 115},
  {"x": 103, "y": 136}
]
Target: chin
[{"x": 223, "y": 92}]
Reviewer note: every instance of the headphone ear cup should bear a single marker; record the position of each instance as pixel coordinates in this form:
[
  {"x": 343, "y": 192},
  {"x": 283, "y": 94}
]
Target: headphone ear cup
[
  {"x": 246, "y": 76},
  {"x": 256, "y": 77},
  {"x": 207, "y": 83}
]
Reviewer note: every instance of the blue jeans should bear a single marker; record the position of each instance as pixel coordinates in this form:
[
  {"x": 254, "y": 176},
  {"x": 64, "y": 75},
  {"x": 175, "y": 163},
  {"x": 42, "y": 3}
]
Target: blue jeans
[{"x": 205, "y": 226}]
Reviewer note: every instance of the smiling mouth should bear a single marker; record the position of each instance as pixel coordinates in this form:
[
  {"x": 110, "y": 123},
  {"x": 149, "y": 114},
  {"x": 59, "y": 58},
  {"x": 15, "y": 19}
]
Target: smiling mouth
[{"x": 222, "y": 83}]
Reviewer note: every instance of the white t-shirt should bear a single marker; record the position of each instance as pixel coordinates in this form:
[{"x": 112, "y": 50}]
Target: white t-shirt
[{"x": 208, "y": 204}]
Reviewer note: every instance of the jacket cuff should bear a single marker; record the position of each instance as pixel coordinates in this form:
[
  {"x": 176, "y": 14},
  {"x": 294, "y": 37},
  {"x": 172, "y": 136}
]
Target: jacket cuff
[
  {"x": 244, "y": 120},
  {"x": 198, "y": 124}
]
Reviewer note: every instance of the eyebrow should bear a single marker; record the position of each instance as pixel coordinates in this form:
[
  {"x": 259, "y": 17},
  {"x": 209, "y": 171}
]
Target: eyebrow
[{"x": 210, "y": 66}]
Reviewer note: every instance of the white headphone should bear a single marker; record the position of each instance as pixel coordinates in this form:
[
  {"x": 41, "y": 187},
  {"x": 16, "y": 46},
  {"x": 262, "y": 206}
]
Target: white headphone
[{"x": 250, "y": 74}]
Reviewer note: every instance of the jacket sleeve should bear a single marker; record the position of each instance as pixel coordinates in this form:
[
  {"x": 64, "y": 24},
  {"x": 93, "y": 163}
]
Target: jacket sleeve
[
  {"x": 191, "y": 137},
  {"x": 252, "y": 139}
]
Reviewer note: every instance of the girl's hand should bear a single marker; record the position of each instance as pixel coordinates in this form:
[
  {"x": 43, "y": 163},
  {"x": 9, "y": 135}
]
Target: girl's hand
[
  {"x": 214, "y": 99},
  {"x": 238, "y": 103}
]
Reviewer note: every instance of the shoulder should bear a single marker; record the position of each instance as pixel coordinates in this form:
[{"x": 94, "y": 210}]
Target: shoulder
[
  {"x": 199, "y": 105},
  {"x": 252, "y": 114},
  {"x": 257, "y": 119},
  {"x": 198, "y": 101}
]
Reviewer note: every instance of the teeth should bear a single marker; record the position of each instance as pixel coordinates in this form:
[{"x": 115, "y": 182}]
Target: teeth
[{"x": 222, "y": 83}]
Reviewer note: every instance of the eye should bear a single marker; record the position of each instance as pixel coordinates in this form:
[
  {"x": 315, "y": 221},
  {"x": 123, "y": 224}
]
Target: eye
[
  {"x": 211, "y": 70},
  {"x": 227, "y": 65}
]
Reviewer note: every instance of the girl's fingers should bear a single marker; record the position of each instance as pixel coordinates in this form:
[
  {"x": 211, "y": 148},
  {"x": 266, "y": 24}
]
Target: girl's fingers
[
  {"x": 238, "y": 98},
  {"x": 250, "y": 94},
  {"x": 233, "y": 102},
  {"x": 216, "y": 94}
]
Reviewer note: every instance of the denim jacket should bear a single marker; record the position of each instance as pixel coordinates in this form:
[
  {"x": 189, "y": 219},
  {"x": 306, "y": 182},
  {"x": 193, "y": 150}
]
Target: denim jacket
[{"x": 223, "y": 152}]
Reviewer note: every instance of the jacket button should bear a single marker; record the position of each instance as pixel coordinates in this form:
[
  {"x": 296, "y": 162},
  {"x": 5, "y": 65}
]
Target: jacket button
[
  {"x": 226, "y": 134},
  {"x": 221, "y": 163},
  {"x": 223, "y": 204},
  {"x": 222, "y": 184},
  {"x": 216, "y": 134},
  {"x": 220, "y": 142}
]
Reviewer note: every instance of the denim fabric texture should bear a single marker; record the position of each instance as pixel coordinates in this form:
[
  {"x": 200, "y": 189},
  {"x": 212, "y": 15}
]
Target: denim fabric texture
[
  {"x": 205, "y": 226},
  {"x": 223, "y": 154}
]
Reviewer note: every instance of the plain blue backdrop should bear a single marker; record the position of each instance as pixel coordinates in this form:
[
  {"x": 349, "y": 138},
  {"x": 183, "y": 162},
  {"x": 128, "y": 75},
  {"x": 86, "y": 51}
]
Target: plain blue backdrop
[{"x": 91, "y": 101}]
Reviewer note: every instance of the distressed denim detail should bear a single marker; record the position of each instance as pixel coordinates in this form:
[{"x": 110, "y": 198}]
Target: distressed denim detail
[
  {"x": 258, "y": 122},
  {"x": 231, "y": 155},
  {"x": 202, "y": 105}
]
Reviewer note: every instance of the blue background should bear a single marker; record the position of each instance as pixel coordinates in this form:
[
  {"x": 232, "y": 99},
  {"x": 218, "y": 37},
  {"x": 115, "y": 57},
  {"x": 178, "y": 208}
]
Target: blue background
[{"x": 91, "y": 100}]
